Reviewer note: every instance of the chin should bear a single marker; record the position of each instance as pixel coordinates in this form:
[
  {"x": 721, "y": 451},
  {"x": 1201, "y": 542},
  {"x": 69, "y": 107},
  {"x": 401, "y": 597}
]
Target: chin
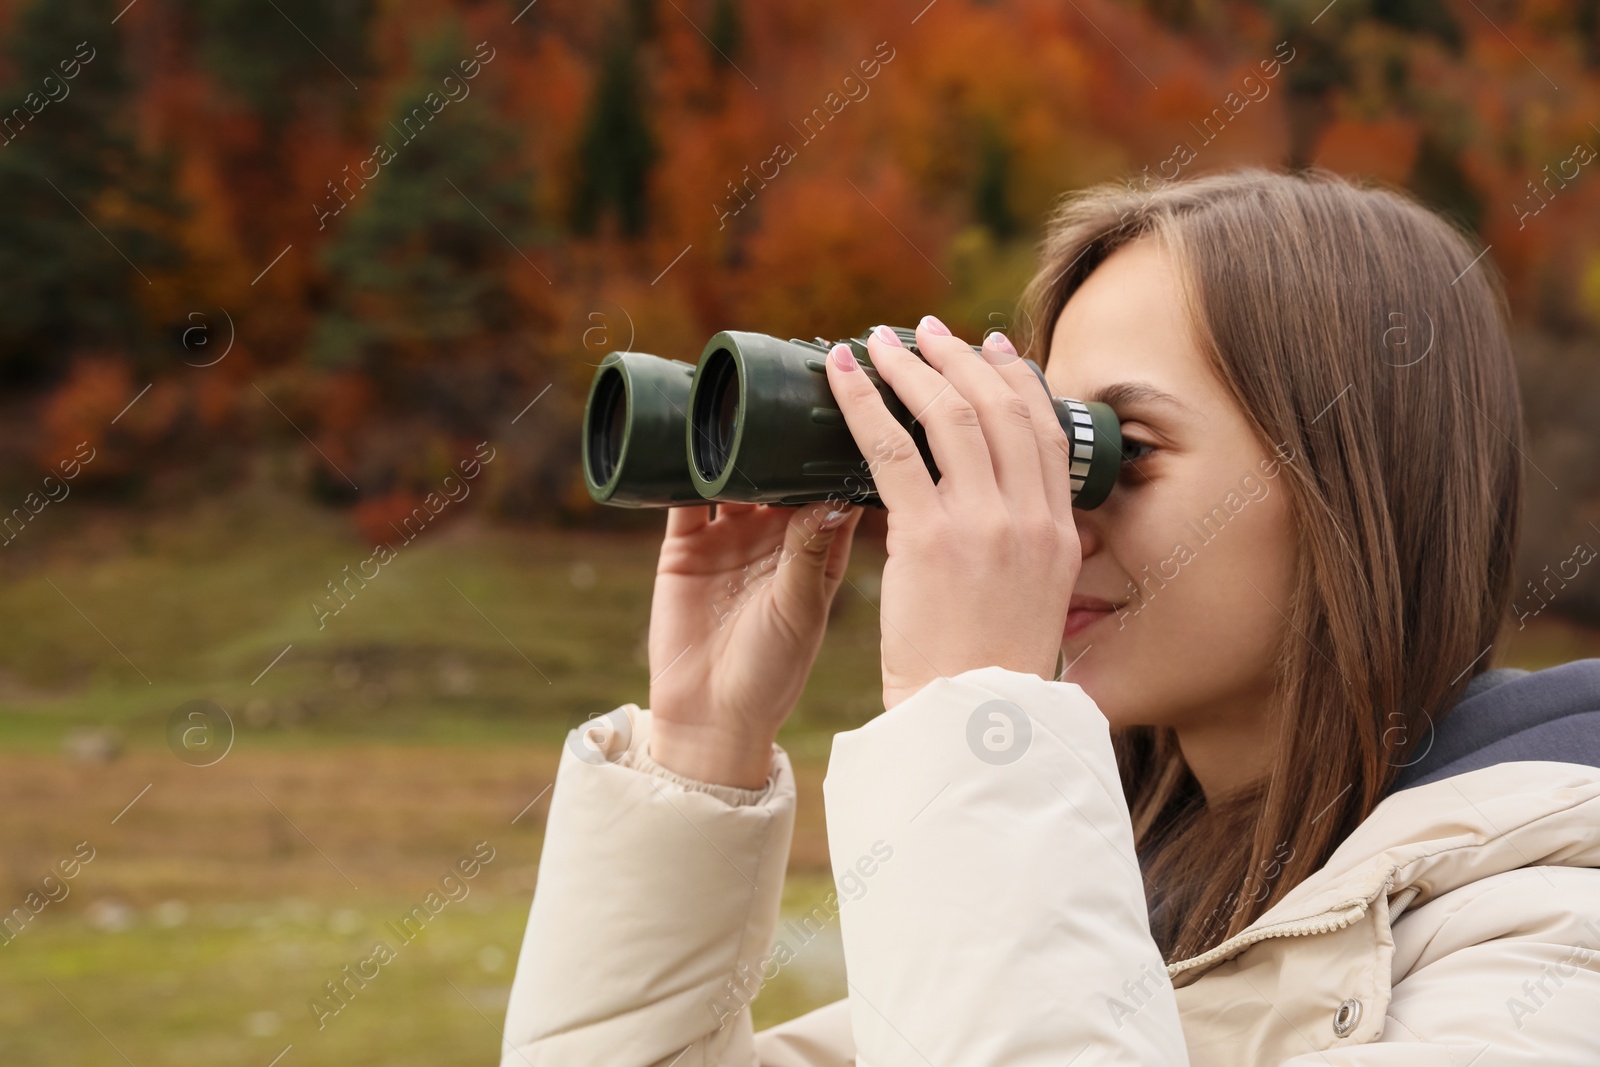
[
  {"x": 1105, "y": 683},
  {"x": 1080, "y": 667}
]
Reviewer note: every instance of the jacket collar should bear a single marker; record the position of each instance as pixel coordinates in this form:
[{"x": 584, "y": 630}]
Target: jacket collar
[
  {"x": 1507, "y": 715},
  {"x": 1427, "y": 840}
]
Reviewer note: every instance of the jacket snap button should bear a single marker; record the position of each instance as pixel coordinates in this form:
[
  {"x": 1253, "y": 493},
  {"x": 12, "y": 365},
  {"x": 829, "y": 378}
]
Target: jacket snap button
[{"x": 1345, "y": 1019}]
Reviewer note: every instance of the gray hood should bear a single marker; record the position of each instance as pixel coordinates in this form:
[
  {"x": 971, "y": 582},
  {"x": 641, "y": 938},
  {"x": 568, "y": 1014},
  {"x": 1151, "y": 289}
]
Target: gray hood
[{"x": 1507, "y": 715}]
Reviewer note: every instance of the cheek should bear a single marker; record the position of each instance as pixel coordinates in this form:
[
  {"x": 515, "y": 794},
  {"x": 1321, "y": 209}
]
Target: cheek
[
  {"x": 1202, "y": 624},
  {"x": 1247, "y": 592}
]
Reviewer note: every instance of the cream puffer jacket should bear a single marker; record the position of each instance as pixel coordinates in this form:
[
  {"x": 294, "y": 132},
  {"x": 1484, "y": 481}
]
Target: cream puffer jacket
[{"x": 992, "y": 912}]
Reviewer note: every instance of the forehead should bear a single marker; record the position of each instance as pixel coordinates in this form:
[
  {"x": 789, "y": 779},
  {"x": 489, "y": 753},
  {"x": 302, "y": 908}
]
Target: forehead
[{"x": 1127, "y": 322}]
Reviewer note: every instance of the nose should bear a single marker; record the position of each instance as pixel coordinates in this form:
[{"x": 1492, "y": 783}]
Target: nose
[{"x": 1090, "y": 534}]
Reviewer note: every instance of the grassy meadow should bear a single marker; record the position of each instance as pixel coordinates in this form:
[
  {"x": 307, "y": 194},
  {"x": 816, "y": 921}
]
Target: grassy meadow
[{"x": 379, "y": 749}]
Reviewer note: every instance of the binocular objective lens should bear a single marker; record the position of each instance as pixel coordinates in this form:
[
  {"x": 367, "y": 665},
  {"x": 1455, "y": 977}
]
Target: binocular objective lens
[
  {"x": 610, "y": 419},
  {"x": 716, "y": 420}
]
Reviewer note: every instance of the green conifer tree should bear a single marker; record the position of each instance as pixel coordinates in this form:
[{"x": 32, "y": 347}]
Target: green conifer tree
[
  {"x": 80, "y": 225},
  {"x": 990, "y": 201},
  {"x": 420, "y": 264},
  {"x": 726, "y": 33},
  {"x": 279, "y": 57},
  {"x": 617, "y": 149}
]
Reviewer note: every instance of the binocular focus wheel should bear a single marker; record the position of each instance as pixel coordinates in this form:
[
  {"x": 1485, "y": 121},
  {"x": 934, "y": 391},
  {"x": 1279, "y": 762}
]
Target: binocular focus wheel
[{"x": 1082, "y": 443}]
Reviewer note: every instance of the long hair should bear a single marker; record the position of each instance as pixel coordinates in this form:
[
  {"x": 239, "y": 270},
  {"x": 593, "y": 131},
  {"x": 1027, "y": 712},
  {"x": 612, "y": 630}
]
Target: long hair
[{"x": 1369, "y": 335}]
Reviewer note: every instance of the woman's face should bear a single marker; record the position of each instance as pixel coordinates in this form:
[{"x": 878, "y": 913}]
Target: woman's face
[{"x": 1187, "y": 567}]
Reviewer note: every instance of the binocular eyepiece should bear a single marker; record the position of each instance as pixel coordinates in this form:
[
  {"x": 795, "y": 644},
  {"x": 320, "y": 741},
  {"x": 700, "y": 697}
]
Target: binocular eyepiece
[{"x": 756, "y": 422}]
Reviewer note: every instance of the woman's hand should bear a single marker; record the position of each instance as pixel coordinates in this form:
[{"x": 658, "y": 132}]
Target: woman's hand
[
  {"x": 981, "y": 566},
  {"x": 737, "y": 618}
]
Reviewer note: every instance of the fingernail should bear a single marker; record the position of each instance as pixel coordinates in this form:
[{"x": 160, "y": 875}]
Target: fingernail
[
  {"x": 843, "y": 358},
  {"x": 998, "y": 348},
  {"x": 887, "y": 336},
  {"x": 933, "y": 325},
  {"x": 833, "y": 519}
]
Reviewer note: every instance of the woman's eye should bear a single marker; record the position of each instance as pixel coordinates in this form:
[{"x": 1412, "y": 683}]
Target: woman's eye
[{"x": 1134, "y": 450}]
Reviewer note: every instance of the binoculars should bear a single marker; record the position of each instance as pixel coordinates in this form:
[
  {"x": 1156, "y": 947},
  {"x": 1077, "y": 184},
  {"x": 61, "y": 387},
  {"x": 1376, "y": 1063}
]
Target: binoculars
[{"x": 755, "y": 421}]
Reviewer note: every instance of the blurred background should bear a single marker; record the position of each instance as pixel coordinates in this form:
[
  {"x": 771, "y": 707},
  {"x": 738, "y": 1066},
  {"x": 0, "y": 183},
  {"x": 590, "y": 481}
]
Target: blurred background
[{"x": 273, "y": 269}]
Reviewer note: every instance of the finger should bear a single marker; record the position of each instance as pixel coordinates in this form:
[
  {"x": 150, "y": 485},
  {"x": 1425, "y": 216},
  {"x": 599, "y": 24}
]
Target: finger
[
  {"x": 808, "y": 541},
  {"x": 682, "y": 521},
  {"x": 759, "y": 527},
  {"x": 808, "y": 574},
  {"x": 1005, "y": 416},
  {"x": 955, "y": 434},
  {"x": 839, "y": 551},
  {"x": 727, "y": 509},
  {"x": 895, "y": 466},
  {"x": 1055, "y": 448}
]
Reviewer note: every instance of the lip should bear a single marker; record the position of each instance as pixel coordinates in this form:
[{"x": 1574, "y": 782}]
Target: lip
[{"x": 1084, "y": 611}]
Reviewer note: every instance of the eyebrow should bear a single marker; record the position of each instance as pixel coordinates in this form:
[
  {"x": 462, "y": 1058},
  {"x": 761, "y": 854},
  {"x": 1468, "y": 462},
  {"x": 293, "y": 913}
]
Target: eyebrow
[{"x": 1122, "y": 395}]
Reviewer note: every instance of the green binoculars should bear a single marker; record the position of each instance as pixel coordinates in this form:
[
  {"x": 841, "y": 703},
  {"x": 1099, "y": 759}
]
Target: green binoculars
[{"x": 756, "y": 422}]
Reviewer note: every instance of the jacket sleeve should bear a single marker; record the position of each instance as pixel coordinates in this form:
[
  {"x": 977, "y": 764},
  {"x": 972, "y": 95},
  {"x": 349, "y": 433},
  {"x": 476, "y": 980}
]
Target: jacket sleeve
[
  {"x": 656, "y": 901},
  {"x": 992, "y": 907}
]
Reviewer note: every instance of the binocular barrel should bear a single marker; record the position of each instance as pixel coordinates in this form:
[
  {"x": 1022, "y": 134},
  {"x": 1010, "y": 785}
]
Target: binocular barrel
[{"x": 755, "y": 421}]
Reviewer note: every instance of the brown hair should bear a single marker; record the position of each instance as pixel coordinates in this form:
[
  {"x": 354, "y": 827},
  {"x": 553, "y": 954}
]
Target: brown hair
[{"x": 1367, "y": 336}]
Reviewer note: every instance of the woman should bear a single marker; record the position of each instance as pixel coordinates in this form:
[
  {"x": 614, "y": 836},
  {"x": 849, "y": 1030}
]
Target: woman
[{"x": 1170, "y": 781}]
